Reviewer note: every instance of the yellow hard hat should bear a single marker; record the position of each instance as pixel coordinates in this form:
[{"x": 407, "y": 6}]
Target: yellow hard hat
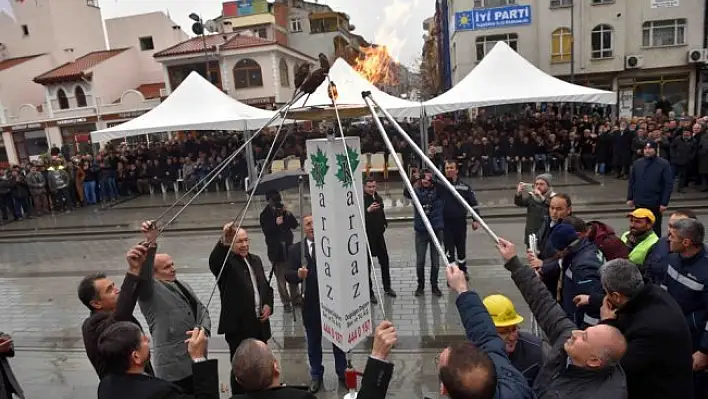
[{"x": 502, "y": 311}]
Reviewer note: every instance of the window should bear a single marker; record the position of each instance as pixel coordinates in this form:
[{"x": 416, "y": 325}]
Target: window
[
  {"x": 62, "y": 99},
  {"x": 670, "y": 32},
  {"x": 284, "y": 77},
  {"x": 295, "y": 25},
  {"x": 561, "y": 3},
  {"x": 80, "y": 96},
  {"x": 146, "y": 43},
  {"x": 492, "y": 3},
  {"x": 25, "y": 30},
  {"x": 92, "y": 3},
  {"x": 598, "y": 2},
  {"x": 247, "y": 73},
  {"x": 601, "y": 38},
  {"x": 261, "y": 32},
  {"x": 485, "y": 44},
  {"x": 561, "y": 42}
]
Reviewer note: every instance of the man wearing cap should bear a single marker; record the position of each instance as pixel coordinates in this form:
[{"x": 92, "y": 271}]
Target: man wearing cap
[
  {"x": 580, "y": 262},
  {"x": 525, "y": 350},
  {"x": 650, "y": 183},
  {"x": 640, "y": 239}
]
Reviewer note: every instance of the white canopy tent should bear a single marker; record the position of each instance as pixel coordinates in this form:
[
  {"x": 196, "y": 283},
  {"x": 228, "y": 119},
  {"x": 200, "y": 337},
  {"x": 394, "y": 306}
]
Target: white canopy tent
[
  {"x": 350, "y": 84},
  {"x": 505, "y": 77},
  {"x": 195, "y": 105}
]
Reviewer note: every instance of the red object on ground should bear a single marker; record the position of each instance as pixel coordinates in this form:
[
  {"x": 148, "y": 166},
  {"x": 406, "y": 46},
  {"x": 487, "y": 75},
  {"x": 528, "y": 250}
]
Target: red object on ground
[{"x": 350, "y": 378}]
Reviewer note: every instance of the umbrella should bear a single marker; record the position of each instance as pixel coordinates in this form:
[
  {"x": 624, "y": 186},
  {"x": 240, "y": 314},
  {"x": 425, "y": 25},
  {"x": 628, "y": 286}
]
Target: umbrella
[{"x": 280, "y": 181}]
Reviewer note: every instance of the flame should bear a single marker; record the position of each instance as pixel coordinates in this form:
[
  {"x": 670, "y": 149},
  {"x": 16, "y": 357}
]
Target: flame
[{"x": 377, "y": 66}]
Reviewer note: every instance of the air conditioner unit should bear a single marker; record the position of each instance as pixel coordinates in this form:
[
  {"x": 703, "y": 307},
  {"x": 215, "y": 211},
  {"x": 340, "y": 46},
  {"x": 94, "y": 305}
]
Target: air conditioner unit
[
  {"x": 163, "y": 92},
  {"x": 633, "y": 61},
  {"x": 697, "y": 55}
]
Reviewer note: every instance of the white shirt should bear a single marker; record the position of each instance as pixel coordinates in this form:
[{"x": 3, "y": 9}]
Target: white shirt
[
  {"x": 254, "y": 283},
  {"x": 310, "y": 245}
]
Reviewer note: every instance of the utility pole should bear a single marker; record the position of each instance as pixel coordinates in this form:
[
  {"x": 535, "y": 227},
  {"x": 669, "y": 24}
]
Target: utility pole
[{"x": 572, "y": 50}]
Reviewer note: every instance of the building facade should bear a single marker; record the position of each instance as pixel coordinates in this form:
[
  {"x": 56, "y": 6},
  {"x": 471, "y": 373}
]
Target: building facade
[
  {"x": 642, "y": 50},
  {"x": 430, "y": 80},
  {"x": 58, "y": 83}
]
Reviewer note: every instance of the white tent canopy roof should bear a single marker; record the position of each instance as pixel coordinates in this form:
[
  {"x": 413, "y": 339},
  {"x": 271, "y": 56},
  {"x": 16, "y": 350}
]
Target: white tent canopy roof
[
  {"x": 350, "y": 84},
  {"x": 195, "y": 105},
  {"x": 505, "y": 77}
]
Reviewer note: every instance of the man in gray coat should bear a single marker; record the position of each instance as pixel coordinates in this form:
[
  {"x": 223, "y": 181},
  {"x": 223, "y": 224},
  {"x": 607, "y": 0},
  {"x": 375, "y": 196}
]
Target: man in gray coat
[
  {"x": 582, "y": 364},
  {"x": 170, "y": 307}
]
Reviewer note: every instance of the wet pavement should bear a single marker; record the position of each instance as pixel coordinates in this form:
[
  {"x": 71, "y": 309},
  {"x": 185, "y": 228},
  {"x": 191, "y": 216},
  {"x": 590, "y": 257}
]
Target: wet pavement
[{"x": 38, "y": 278}]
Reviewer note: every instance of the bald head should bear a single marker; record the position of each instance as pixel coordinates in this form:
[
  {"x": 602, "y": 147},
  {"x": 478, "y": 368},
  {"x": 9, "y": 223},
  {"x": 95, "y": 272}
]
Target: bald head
[
  {"x": 598, "y": 346},
  {"x": 254, "y": 366},
  {"x": 164, "y": 268}
]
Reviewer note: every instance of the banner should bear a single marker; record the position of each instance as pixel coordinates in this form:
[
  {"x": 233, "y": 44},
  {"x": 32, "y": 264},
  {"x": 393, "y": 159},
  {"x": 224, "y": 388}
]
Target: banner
[
  {"x": 340, "y": 240},
  {"x": 490, "y": 18},
  {"x": 664, "y": 3}
]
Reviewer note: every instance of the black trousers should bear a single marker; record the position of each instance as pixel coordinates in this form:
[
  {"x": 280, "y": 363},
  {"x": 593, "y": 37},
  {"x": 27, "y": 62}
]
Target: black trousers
[
  {"x": 657, "y": 215},
  {"x": 455, "y": 238},
  {"x": 187, "y": 384},
  {"x": 377, "y": 243}
]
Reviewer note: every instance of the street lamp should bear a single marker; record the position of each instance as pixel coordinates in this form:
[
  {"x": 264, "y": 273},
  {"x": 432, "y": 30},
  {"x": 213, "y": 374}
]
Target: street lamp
[{"x": 198, "y": 29}]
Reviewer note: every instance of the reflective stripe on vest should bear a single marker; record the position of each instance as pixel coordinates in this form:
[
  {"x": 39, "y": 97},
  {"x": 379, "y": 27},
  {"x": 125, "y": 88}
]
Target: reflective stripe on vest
[
  {"x": 684, "y": 280},
  {"x": 639, "y": 253}
]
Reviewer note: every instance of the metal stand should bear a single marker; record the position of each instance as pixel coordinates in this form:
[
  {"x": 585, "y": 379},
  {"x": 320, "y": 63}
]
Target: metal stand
[
  {"x": 368, "y": 98},
  {"x": 404, "y": 177}
]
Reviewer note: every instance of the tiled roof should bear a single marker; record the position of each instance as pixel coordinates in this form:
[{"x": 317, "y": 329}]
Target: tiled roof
[
  {"x": 193, "y": 45},
  {"x": 77, "y": 69},
  {"x": 151, "y": 90},
  {"x": 12, "y": 62},
  {"x": 238, "y": 42}
]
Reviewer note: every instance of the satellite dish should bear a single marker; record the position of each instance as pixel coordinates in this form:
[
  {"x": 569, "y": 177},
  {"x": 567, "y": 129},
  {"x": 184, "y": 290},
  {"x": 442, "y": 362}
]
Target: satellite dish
[{"x": 211, "y": 26}]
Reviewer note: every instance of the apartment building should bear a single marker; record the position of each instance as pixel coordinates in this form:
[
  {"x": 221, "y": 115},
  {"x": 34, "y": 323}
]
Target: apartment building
[{"x": 642, "y": 50}]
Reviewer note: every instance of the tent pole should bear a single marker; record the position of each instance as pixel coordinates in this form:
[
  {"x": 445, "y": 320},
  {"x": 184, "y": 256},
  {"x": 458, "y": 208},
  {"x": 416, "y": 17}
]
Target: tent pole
[{"x": 249, "y": 153}]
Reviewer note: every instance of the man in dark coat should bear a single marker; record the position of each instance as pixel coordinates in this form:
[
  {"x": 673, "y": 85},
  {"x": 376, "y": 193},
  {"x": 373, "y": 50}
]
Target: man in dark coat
[
  {"x": 277, "y": 224},
  {"x": 311, "y": 317},
  {"x": 622, "y": 149},
  {"x": 246, "y": 296},
  {"x": 127, "y": 351},
  {"x": 650, "y": 184},
  {"x": 658, "y": 362},
  {"x": 8, "y": 382},
  {"x": 109, "y": 305},
  {"x": 376, "y": 225},
  {"x": 683, "y": 155},
  {"x": 255, "y": 366},
  {"x": 582, "y": 364}
]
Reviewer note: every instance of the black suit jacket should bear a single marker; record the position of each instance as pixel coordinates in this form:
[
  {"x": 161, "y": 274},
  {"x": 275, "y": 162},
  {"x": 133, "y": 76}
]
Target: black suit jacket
[
  {"x": 238, "y": 308},
  {"x": 277, "y": 393},
  {"x": 99, "y": 321},
  {"x": 8, "y": 382},
  {"x": 311, "y": 301},
  {"x": 377, "y": 376},
  {"x": 142, "y": 386}
]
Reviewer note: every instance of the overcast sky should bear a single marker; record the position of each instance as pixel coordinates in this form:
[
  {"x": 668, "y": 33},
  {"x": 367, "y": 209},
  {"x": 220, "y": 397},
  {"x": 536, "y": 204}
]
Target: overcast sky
[{"x": 396, "y": 23}]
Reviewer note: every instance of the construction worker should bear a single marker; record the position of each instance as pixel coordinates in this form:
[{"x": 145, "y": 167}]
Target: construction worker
[
  {"x": 641, "y": 238},
  {"x": 524, "y": 349}
]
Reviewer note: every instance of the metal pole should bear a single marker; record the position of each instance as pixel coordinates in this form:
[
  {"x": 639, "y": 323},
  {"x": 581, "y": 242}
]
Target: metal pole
[
  {"x": 431, "y": 165},
  {"x": 572, "y": 50},
  {"x": 303, "y": 246},
  {"x": 206, "y": 52},
  {"x": 406, "y": 180}
]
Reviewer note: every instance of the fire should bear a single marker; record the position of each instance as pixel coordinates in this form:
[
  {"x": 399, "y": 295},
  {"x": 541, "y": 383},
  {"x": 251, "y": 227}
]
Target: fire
[{"x": 377, "y": 66}]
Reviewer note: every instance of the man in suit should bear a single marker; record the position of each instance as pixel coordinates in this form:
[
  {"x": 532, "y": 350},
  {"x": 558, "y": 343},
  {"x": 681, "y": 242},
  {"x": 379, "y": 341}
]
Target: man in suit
[
  {"x": 246, "y": 296},
  {"x": 8, "y": 382},
  {"x": 256, "y": 368},
  {"x": 376, "y": 225},
  {"x": 277, "y": 224},
  {"x": 109, "y": 304},
  {"x": 170, "y": 307},
  {"x": 126, "y": 351},
  {"x": 311, "y": 318}
]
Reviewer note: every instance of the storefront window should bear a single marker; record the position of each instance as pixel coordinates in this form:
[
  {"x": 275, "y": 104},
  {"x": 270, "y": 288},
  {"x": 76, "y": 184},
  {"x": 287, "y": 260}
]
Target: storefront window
[
  {"x": 648, "y": 91},
  {"x": 77, "y": 140}
]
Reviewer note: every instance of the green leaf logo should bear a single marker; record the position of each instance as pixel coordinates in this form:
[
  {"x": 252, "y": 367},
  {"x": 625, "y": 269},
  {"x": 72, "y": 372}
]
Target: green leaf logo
[
  {"x": 319, "y": 167},
  {"x": 344, "y": 172}
]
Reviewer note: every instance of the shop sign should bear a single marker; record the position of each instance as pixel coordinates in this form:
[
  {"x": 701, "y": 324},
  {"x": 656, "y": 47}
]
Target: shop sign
[
  {"x": 626, "y": 103},
  {"x": 491, "y": 18},
  {"x": 259, "y": 100},
  {"x": 28, "y": 126},
  {"x": 664, "y": 3},
  {"x": 131, "y": 114},
  {"x": 73, "y": 121}
]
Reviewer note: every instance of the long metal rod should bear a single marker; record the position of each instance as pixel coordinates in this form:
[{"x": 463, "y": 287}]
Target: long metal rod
[
  {"x": 406, "y": 180},
  {"x": 359, "y": 206},
  {"x": 248, "y": 203},
  {"x": 431, "y": 166}
]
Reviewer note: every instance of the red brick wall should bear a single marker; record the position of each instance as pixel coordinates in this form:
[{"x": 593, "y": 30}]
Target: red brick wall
[
  {"x": 281, "y": 38},
  {"x": 280, "y": 11},
  {"x": 230, "y": 9}
]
